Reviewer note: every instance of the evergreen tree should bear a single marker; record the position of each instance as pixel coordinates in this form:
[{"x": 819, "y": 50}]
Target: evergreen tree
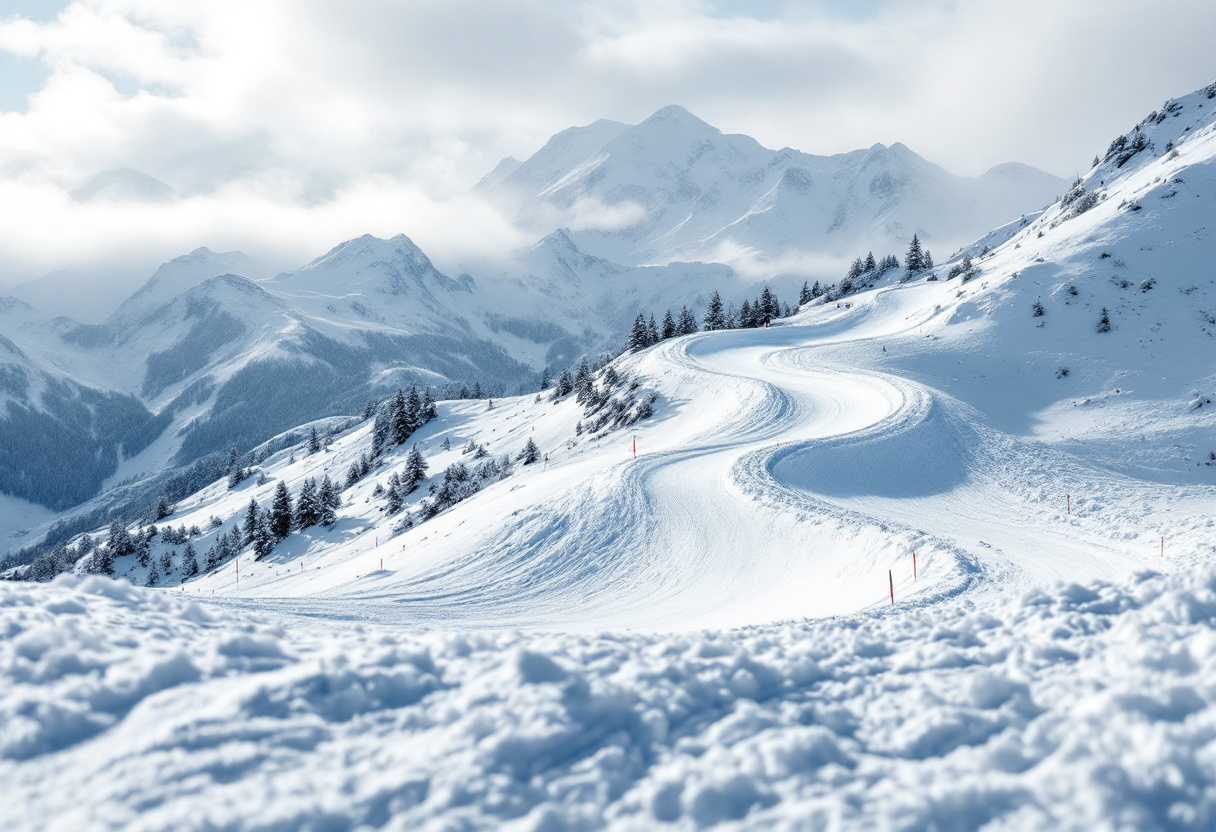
[
  {"x": 414, "y": 414},
  {"x": 477, "y": 392},
  {"x": 352, "y": 474},
  {"x": 530, "y": 453},
  {"x": 189, "y": 561},
  {"x": 1104, "y": 321},
  {"x": 669, "y": 326},
  {"x": 163, "y": 509},
  {"x": 652, "y": 331},
  {"x": 464, "y": 391},
  {"x": 584, "y": 383},
  {"x": 565, "y": 384},
  {"x": 870, "y": 265},
  {"x": 120, "y": 542},
  {"x": 236, "y": 472},
  {"x": 252, "y": 512},
  {"x": 393, "y": 495},
  {"x": 314, "y": 442},
  {"x": 766, "y": 306},
  {"x": 153, "y": 576},
  {"x": 688, "y": 322},
  {"x": 429, "y": 411},
  {"x": 816, "y": 290},
  {"x": 415, "y": 469},
  {"x": 914, "y": 261},
  {"x": 382, "y": 429},
  {"x": 805, "y": 296},
  {"x": 308, "y": 505},
  {"x": 331, "y": 500},
  {"x": 402, "y": 427},
  {"x": 263, "y": 538},
  {"x": 926, "y": 260},
  {"x": 545, "y": 381},
  {"x": 281, "y": 511},
  {"x": 745, "y": 315},
  {"x": 715, "y": 319},
  {"x": 638, "y": 339}
]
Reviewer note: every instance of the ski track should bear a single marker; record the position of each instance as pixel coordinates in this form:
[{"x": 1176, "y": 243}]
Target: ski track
[{"x": 780, "y": 489}]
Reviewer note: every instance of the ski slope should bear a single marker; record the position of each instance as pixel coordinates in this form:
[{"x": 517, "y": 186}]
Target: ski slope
[{"x": 773, "y": 484}]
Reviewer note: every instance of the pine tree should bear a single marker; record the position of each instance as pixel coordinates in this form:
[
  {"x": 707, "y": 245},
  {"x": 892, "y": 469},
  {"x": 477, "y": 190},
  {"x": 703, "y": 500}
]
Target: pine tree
[
  {"x": 252, "y": 512},
  {"x": 415, "y": 469},
  {"x": 308, "y": 505},
  {"x": 352, "y": 474},
  {"x": 545, "y": 381},
  {"x": 816, "y": 291},
  {"x": 805, "y": 296},
  {"x": 869, "y": 265},
  {"x": 189, "y": 561},
  {"x": 530, "y": 453},
  {"x": 429, "y": 411},
  {"x": 638, "y": 339},
  {"x": 331, "y": 501},
  {"x": 669, "y": 326},
  {"x": 715, "y": 319},
  {"x": 382, "y": 429},
  {"x": 926, "y": 261},
  {"x": 477, "y": 392},
  {"x": 688, "y": 322},
  {"x": 314, "y": 442},
  {"x": 236, "y": 472},
  {"x": 914, "y": 261},
  {"x": 263, "y": 538},
  {"x": 281, "y": 511},
  {"x": 652, "y": 332},
  {"x": 401, "y": 418},
  {"x": 163, "y": 509},
  {"x": 565, "y": 384},
  {"x": 413, "y": 410},
  {"x": 584, "y": 384},
  {"x": 393, "y": 495},
  {"x": 1104, "y": 321},
  {"x": 766, "y": 306},
  {"x": 153, "y": 576},
  {"x": 464, "y": 391},
  {"x": 745, "y": 315}
]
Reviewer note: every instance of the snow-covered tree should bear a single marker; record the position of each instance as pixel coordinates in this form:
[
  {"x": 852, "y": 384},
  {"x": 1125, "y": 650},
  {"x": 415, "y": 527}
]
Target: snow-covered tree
[
  {"x": 415, "y": 470},
  {"x": 652, "y": 331},
  {"x": 530, "y": 453},
  {"x": 914, "y": 260},
  {"x": 638, "y": 338},
  {"x": 330, "y": 500},
  {"x": 715, "y": 318},
  {"x": 687, "y": 324},
  {"x": 314, "y": 441},
  {"x": 281, "y": 511},
  {"x": 308, "y": 505}
]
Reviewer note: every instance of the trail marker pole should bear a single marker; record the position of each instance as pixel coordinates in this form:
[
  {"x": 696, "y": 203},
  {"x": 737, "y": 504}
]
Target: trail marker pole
[
  {"x": 1068, "y": 497},
  {"x": 238, "y": 573},
  {"x": 891, "y": 581},
  {"x": 1163, "y": 547},
  {"x": 635, "y": 447},
  {"x": 381, "y": 564},
  {"x": 914, "y": 567}
]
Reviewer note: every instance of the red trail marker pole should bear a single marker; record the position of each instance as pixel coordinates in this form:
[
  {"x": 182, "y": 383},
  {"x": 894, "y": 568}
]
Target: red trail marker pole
[
  {"x": 891, "y": 581},
  {"x": 914, "y": 567},
  {"x": 635, "y": 447},
  {"x": 1068, "y": 497}
]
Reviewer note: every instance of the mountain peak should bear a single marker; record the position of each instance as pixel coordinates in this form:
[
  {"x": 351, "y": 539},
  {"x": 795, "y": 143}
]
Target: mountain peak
[{"x": 675, "y": 116}]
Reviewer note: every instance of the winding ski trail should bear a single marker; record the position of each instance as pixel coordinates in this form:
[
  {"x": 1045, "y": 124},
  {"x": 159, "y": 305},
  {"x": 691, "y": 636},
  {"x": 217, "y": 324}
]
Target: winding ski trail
[{"x": 771, "y": 487}]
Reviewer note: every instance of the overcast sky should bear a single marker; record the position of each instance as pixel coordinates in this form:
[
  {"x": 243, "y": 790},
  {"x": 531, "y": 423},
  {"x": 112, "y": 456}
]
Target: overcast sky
[{"x": 290, "y": 125}]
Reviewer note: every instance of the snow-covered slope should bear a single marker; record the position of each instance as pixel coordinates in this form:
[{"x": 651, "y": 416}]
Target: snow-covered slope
[
  {"x": 970, "y": 590},
  {"x": 675, "y": 188}
]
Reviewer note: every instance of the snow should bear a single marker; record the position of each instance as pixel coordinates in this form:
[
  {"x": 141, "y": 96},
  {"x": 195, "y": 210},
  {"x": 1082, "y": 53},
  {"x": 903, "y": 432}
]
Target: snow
[
  {"x": 1084, "y": 707},
  {"x": 704, "y": 633}
]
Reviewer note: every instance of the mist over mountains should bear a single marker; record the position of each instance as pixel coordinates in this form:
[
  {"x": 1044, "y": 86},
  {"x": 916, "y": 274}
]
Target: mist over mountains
[{"x": 210, "y": 352}]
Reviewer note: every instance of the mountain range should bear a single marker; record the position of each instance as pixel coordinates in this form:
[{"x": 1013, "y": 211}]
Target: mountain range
[{"x": 209, "y": 354}]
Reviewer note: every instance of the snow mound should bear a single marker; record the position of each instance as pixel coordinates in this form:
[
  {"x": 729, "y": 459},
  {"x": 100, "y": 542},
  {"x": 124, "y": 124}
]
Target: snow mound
[{"x": 1060, "y": 709}]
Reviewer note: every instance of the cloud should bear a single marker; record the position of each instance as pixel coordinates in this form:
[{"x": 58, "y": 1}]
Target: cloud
[{"x": 287, "y": 124}]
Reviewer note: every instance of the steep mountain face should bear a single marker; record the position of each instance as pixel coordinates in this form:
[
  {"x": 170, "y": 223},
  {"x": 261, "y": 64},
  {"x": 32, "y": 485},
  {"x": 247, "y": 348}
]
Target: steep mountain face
[{"x": 676, "y": 188}]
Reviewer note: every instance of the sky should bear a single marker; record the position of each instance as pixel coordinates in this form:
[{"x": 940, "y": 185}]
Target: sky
[{"x": 287, "y": 126}]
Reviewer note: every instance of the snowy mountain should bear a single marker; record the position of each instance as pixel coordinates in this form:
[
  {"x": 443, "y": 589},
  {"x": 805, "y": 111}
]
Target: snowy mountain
[
  {"x": 937, "y": 554},
  {"x": 676, "y": 188},
  {"x": 123, "y": 185}
]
